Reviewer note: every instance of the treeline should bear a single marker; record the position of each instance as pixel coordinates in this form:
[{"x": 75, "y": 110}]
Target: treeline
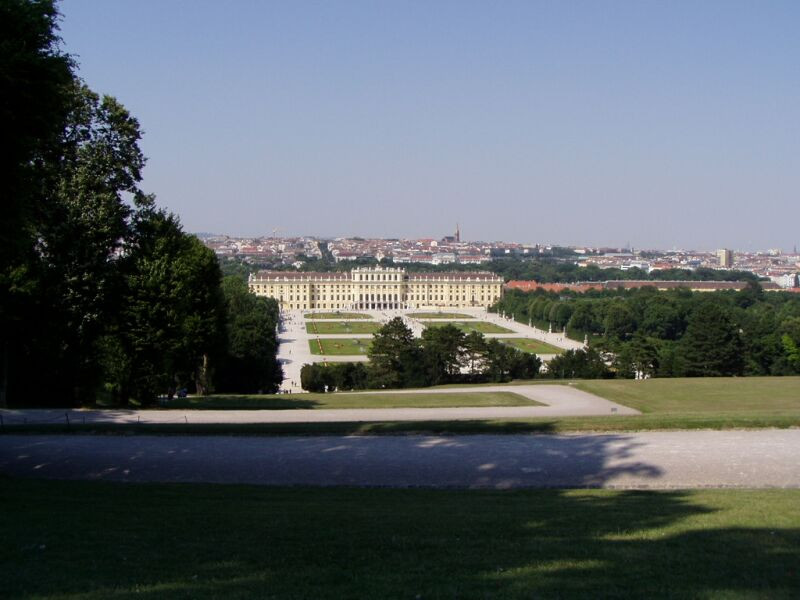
[
  {"x": 443, "y": 355},
  {"x": 569, "y": 272},
  {"x": 103, "y": 296},
  {"x": 671, "y": 333},
  {"x": 543, "y": 270}
]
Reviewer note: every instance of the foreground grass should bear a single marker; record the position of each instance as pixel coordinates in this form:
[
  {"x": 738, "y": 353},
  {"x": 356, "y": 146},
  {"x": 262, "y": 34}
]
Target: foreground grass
[
  {"x": 345, "y": 400},
  {"x": 531, "y": 346},
  {"x": 327, "y": 327},
  {"x": 102, "y": 540},
  {"x": 339, "y": 347}
]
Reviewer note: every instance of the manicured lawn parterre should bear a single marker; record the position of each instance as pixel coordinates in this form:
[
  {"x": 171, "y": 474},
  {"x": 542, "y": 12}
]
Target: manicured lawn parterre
[
  {"x": 98, "y": 540},
  {"x": 339, "y": 347},
  {"x": 336, "y": 315},
  {"x": 480, "y": 326},
  {"x": 353, "y": 400},
  {"x": 439, "y": 315},
  {"x": 327, "y": 327},
  {"x": 531, "y": 346}
]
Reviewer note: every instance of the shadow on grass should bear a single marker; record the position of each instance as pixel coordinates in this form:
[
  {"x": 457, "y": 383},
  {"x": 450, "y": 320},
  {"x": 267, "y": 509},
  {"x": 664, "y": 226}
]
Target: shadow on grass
[
  {"x": 202, "y": 541},
  {"x": 243, "y": 402},
  {"x": 304, "y": 429}
]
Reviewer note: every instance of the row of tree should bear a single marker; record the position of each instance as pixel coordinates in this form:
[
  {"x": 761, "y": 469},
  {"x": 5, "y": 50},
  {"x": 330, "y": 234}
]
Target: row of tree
[
  {"x": 442, "y": 355},
  {"x": 674, "y": 333},
  {"x": 102, "y": 294},
  {"x": 542, "y": 269}
]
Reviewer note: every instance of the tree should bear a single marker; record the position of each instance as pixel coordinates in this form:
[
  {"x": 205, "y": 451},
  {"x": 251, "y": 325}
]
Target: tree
[
  {"x": 172, "y": 320},
  {"x": 312, "y": 378},
  {"x": 711, "y": 346},
  {"x": 578, "y": 364},
  {"x": 92, "y": 194},
  {"x": 637, "y": 358},
  {"x": 619, "y": 322},
  {"x": 442, "y": 352},
  {"x": 34, "y": 101},
  {"x": 474, "y": 355},
  {"x": 249, "y": 364},
  {"x": 394, "y": 357}
]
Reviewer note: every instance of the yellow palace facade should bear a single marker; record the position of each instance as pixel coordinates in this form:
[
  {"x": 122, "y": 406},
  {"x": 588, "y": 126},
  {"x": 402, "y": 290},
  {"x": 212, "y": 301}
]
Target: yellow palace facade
[{"x": 377, "y": 289}]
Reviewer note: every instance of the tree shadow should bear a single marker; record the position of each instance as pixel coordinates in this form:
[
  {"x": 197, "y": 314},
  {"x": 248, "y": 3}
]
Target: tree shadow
[{"x": 215, "y": 541}]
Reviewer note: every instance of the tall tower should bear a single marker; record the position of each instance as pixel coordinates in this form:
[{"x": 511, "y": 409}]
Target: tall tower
[
  {"x": 725, "y": 257},
  {"x": 458, "y": 233}
]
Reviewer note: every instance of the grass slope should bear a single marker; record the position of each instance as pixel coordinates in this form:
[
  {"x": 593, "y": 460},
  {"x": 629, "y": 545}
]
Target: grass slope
[
  {"x": 98, "y": 540},
  {"x": 327, "y": 327},
  {"x": 761, "y": 395}
]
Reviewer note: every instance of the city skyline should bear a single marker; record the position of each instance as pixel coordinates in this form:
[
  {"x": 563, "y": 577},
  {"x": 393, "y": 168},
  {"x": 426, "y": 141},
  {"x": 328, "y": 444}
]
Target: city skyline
[{"x": 576, "y": 124}]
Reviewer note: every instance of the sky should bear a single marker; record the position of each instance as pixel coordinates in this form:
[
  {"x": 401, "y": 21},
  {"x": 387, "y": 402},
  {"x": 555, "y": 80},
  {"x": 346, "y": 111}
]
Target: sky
[{"x": 659, "y": 124}]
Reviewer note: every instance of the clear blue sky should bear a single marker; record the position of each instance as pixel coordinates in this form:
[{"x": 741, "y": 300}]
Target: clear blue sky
[{"x": 656, "y": 123}]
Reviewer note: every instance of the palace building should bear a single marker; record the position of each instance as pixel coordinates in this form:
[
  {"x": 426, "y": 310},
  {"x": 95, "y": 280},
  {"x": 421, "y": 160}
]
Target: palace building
[{"x": 377, "y": 289}]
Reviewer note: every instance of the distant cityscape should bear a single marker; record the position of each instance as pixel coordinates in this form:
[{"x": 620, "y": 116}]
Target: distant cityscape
[{"x": 779, "y": 267}]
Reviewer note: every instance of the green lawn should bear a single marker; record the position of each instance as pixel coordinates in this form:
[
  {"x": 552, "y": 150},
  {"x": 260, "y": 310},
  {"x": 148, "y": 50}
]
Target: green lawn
[
  {"x": 324, "y": 327},
  {"x": 97, "y": 540},
  {"x": 336, "y": 315},
  {"x": 439, "y": 315},
  {"x": 746, "y": 395},
  {"x": 531, "y": 346},
  {"x": 480, "y": 326},
  {"x": 340, "y": 347},
  {"x": 353, "y": 400}
]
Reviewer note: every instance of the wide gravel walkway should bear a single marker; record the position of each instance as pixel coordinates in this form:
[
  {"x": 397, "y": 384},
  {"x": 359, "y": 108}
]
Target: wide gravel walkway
[{"x": 751, "y": 459}]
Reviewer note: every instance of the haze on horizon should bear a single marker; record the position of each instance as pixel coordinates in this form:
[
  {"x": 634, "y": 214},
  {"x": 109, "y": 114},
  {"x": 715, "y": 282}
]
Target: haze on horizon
[{"x": 662, "y": 125}]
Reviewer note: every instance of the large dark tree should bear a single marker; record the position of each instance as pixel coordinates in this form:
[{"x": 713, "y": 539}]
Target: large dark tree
[
  {"x": 712, "y": 346},
  {"x": 172, "y": 318},
  {"x": 443, "y": 352},
  {"x": 249, "y": 364},
  {"x": 395, "y": 357},
  {"x": 35, "y": 77},
  {"x": 92, "y": 195}
]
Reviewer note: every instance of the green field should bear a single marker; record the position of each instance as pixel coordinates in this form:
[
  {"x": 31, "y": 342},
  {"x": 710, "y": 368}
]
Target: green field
[
  {"x": 339, "y": 347},
  {"x": 326, "y": 327},
  {"x": 352, "y": 400},
  {"x": 439, "y": 315},
  {"x": 335, "y": 315},
  {"x": 531, "y": 346},
  {"x": 720, "y": 395},
  {"x": 97, "y": 540},
  {"x": 466, "y": 327}
]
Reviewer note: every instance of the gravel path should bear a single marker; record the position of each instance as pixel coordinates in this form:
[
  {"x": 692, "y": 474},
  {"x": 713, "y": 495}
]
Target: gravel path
[
  {"x": 559, "y": 401},
  {"x": 764, "y": 458}
]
